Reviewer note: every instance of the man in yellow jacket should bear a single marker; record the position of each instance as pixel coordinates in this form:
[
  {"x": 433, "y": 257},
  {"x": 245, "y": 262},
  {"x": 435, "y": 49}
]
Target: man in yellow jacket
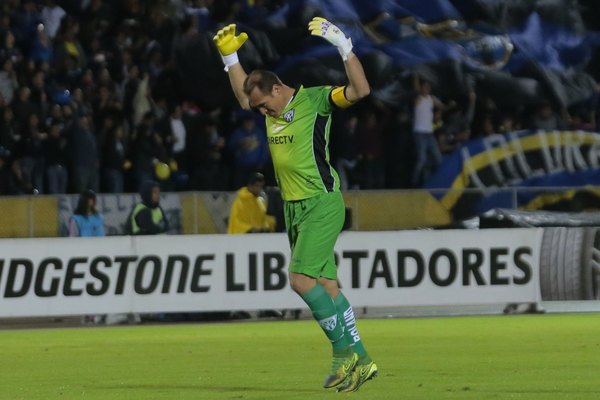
[
  {"x": 249, "y": 210},
  {"x": 249, "y": 215}
]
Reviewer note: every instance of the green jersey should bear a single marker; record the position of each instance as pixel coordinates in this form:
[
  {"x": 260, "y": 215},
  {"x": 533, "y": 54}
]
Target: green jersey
[{"x": 299, "y": 145}]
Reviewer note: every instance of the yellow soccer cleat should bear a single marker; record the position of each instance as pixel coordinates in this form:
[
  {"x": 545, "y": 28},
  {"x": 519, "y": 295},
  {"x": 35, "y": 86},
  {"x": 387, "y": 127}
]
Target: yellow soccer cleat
[
  {"x": 227, "y": 42},
  {"x": 341, "y": 368},
  {"x": 360, "y": 375}
]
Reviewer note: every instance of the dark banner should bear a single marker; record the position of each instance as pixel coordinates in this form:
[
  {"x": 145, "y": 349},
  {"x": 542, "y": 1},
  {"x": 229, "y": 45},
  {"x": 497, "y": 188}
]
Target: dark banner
[{"x": 545, "y": 50}]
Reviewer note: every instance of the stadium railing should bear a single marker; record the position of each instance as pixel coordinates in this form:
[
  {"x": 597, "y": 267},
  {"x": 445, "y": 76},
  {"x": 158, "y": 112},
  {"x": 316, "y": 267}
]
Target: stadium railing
[{"x": 207, "y": 212}]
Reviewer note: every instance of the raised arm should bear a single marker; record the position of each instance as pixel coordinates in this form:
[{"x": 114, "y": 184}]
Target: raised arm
[
  {"x": 358, "y": 86},
  {"x": 228, "y": 44},
  {"x": 237, "y": 76}
]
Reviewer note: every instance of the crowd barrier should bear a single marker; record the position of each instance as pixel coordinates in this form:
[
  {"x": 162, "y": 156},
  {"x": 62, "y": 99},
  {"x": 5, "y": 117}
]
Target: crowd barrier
[{"x": 208, "y": 212}]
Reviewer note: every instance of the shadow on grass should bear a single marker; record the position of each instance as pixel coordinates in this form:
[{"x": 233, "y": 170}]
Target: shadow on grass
[{"x": 199, "y": 387}]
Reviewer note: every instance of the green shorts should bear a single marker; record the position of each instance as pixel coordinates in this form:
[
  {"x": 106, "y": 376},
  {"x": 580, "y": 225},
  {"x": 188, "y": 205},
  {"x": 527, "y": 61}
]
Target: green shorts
[{"x": 313, "y": 226}]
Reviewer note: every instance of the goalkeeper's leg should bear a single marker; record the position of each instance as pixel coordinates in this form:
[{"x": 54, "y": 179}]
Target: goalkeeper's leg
[
  {"x": 365, "y": 368},
  {"x": 346, "y": 315},
  {"x": 323, "y": 309}
]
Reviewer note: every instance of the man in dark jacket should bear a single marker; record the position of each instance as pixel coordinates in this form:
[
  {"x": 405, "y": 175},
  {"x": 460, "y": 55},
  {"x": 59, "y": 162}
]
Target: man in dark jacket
[
  {"x": 147, "y": 217},
  {"x": 83, "y": 155}
]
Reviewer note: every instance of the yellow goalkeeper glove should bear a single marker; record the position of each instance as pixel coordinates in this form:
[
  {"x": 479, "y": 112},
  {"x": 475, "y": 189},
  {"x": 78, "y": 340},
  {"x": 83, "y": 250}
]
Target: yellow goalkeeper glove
[{"x": 228, "y": 44}]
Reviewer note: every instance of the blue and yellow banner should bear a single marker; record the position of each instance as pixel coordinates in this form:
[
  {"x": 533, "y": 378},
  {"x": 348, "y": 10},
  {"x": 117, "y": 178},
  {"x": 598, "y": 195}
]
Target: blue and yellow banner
[{"x": 523, "y": 159}]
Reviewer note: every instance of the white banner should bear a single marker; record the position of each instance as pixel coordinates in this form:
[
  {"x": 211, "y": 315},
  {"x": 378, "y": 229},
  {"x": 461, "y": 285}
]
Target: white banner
[{"x": 64, "y": 276}]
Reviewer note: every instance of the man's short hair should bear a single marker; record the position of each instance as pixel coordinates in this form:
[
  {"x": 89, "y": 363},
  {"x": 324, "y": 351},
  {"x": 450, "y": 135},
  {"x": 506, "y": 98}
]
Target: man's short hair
[
  {"x": 261, "y": 79},
  {"x": 256, "y": 177}
]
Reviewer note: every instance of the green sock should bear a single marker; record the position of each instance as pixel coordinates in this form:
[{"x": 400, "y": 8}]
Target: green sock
[
  {"x": 324, "y": 311},
  {"x": 348, "y": 320}
]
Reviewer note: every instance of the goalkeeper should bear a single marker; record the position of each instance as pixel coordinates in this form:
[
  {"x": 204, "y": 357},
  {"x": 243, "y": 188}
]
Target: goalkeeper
[{"x": 298, "y": 121}]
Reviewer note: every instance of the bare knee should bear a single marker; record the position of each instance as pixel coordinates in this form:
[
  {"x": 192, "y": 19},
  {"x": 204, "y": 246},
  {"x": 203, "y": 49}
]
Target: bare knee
[
  {"x": 331, "y": 286},
  {"x": 301, "y": 283}
]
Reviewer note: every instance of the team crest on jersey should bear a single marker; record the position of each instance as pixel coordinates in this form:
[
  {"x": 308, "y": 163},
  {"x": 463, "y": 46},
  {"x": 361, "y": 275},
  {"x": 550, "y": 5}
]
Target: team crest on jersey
[{"x": 289, "y": 116}]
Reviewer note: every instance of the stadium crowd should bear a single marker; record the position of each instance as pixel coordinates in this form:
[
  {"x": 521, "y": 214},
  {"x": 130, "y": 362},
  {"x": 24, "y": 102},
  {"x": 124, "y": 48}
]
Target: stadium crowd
[{"x": 91, "y": 97}]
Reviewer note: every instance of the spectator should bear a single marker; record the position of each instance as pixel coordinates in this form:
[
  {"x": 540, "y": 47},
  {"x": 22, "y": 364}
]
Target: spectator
[
  {"x": 142, "y": 104},
  {"x": 426, "y": 146},
  {"x": 398, "y": 149},
  {"x": 55, "y": 115},
  {"x": 39, "y": 97},
  {"x": 32, "y": 149},
  {"x": 161, "y": 30},
  {"x": 206, "y": 147},
  {"x": 52, "y": 15},
  {"x": 249, "y": 215},
  {"x": 508, "y": 123},
  {"x": 68, "y": 73},
  {"x": 83, "y": 155},
  {"x": 249, "y": 210},
  {"x": 96, "y": 18},
  {"x": 8, "y": 80},
  {"x": 68, "y": 117},
  {"x": 348, "y": 156},
  {"x": 114, "y": 162},
  {"x": 486, "y": 126},
  {"x": 248, "y": 145},
  {"x": 19, "y": 183},
  {"x": 174, "y": 134},
  {"x": 22, "y": 106},
  {"x": 105, "y": 106},
  {"x": 68, "y": 47},
  {"x": 582, "y": 119},
  {"x": 146, "y": 150},
  {"x": 458, "y": 117},
  {"x": 56, "y": 160},
  {"x": 546, "y": 119},
  {"x": 129, "y": 87},
  {"x": 147, "y": 216},
  {"x": 86, "y": 221},
  {"x": 88, "y": 86},
  {"x": 9, "y": 131},
  {"x": 81, "y": 105},
  {"x": 4, "y": 171},
  {"x": 42, "y": 51},
  {"x": 370, "y": 136},
  {"x": 10, "y": 51},
  {"x": 454, "y": 129},
  {"x": 155, "y": 63},
  {"x": 444, "y": 134}
]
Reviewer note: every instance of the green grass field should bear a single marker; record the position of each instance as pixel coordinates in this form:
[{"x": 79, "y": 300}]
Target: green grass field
[{"x": 502, "y": 357}]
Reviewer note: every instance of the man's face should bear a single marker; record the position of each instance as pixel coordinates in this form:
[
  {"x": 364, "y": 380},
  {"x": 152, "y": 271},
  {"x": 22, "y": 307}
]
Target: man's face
[
  {"x": 256, "y": 188},
  {"x": 155, "y": 194},
  {"x": 426, "y": 88},
  {"x": 267, "y": 104}
]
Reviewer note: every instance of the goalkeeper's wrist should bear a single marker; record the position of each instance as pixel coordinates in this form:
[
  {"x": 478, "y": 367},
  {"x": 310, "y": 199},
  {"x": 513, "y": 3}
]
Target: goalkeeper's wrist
[
  {"x": 230, "y": 60},
  {"x": 345, "y": 49}
]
